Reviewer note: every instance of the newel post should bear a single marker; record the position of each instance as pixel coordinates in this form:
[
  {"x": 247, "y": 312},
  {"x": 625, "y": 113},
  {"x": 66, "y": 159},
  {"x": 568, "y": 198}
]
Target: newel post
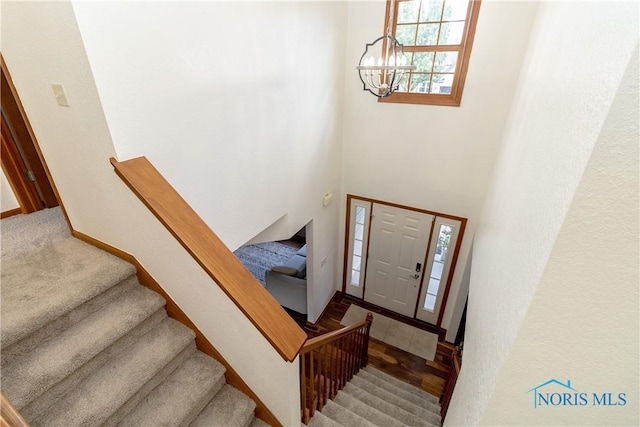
[{"x": 365, "y": 358}]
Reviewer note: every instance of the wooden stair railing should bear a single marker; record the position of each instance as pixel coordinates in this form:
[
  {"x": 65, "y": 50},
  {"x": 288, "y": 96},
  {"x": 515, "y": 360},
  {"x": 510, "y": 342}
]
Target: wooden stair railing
[
  {"x": 213, "y": 255},
  {"x": 328, "y": 362},
  {"x": 450, "y": 385},
  {"x": 9, "y": 415}
]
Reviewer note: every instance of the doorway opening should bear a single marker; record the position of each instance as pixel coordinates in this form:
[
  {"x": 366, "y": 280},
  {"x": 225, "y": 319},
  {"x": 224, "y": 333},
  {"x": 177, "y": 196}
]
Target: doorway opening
[
  {"x": 22, "y": 162},
  {"x": 400, "y": 258}
]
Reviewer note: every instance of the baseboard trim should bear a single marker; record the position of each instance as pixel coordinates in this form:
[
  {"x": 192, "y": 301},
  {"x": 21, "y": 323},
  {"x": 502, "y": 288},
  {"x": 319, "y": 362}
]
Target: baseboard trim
[
  {"x": 11, "y": 212},
  {"x": 175, "y": 312}
]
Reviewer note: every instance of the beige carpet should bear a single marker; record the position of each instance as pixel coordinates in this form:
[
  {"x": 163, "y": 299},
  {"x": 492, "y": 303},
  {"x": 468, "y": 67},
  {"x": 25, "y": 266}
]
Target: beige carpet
[{"x": 395, "y": 333}]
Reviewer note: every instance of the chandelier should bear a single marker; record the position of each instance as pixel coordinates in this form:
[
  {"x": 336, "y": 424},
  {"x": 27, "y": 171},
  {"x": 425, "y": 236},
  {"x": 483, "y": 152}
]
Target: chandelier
[{"x": 382, "y": 76}]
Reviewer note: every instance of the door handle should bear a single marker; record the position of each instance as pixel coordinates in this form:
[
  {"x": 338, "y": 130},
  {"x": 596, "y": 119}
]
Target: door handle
[{"x": 416, "y": 276}]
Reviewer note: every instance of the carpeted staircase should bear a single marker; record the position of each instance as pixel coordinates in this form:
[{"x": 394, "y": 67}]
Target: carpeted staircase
[
  {"x": 84, "y": 344},
  {"x": 373, "y": 398}
]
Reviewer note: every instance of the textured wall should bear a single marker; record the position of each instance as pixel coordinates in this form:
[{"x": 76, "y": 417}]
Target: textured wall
[
  {"x": 582, "y": 324},
  {"x": 42, "y": 44},
  {"x": 237, "y": 105},
  {"x": 434, "y": 157},
  {"x": 560, "y": 106}
]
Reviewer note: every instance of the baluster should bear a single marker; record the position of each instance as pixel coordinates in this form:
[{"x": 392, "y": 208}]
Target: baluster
[
  {"x": 327, "y": 367},
  {"x": 328, "y": 363},
  {"x": 312, "y": 383},
  {"x": 339, "y": 362},
  {"x": 323, "y": 357},
  {"x": 303, "y": 387},
  {"x": 319, "y": 382},
  {"x": 351, "y": 346},
  {"x": 365, "y": 360},
  {"x": 334, "y": 371},
  {"x": 357, "y": 353}
]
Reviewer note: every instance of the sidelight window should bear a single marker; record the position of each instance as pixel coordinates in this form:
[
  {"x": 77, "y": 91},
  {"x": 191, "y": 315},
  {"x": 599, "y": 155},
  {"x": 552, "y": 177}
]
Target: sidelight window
[
  {"x": 359, "y": 217},
  {"x": 435, "y": 277}
]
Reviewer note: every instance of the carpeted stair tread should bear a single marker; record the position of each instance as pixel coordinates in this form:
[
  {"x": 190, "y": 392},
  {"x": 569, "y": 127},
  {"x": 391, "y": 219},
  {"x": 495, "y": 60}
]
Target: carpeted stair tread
[
  {"x": 401, "y": 384},
  {"x": 374, "y": 415},
  {"x": 51, "y": 397},
  {"x": 57, "y": 326},
  {"x": 383, "y": 406},
  {"x": 44, "y": 227},
  {"x": 62, "y": 276},
  {"x": 124, "y": 380},
  {"x": 181, "y": 396},
  {"x": 400, "y": 392},
  {"x": 428, "y": 411},
  {"x": 89, "y": 346},
  {"x": 29, "y": 376},
  {"x": 343, "y": 416},
  {"x": 228, "y": 408},
  {"x": 321, "y": 420}
]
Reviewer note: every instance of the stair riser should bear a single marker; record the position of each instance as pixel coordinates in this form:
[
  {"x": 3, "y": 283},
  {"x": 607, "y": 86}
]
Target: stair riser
[
  {"x": 102, "y": 394},
  {"x": 401, "y": 384},
  {"x": 202, "y": 403},
  {"x": 411, "y": 397},
  {"x": 66, "y": 321},
  {"x": 39, "y": 405},
  {"x": 386, "y": 407},
  {"x": 365, "y": 411},
  {"x": 228, "y": 408},
  {"x": 423, "y": 412},
  {"x": 181, "y": 397},
  {"x": 84, "y": 344},
  {"x": 64, "y": 276},
  {"x": 56, "y": 359},
  {"x": 139, "y": 396}
]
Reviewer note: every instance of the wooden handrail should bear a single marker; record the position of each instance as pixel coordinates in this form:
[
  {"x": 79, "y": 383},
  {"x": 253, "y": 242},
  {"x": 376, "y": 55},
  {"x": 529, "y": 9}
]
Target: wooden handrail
[
  {"x": 328, "y": 362},
  {"x": 213, "y": 255},
  {"x": 9, "y": 415},
  {"x": 320, "y": 340}
]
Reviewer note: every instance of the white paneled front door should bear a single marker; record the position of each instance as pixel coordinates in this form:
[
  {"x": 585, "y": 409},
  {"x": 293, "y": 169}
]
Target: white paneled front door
[{"x": 397, "y": 250}]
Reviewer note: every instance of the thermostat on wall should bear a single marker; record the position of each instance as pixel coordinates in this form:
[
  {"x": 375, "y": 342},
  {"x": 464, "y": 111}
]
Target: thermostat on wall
[{"x": 327, "y": 199}]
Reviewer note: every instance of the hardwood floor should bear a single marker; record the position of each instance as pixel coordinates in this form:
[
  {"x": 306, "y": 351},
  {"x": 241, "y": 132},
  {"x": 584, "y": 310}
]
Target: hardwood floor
[{"x": 430, "y": 376}]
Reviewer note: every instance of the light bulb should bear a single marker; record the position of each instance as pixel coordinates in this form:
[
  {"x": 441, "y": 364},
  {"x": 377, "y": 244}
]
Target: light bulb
[{"x": 379, "y": 61}]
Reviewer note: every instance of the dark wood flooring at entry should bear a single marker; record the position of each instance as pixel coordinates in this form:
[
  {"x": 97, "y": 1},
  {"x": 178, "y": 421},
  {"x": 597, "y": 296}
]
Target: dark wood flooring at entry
[{"x": 427, "y": 375}]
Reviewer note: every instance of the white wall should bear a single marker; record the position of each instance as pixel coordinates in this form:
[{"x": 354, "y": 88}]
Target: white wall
[
  {"x": 8, "y": 199},
  {"x": 232, "y": 101},
  {"x": 434, "y": 157},
  {"x": 188, "y": 122},
  {"x": 584, "y": 314},
  {"x": 236, "y": 103},
  {"x": 573, "y": 69}
]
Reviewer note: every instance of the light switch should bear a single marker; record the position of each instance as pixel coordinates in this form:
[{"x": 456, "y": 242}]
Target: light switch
[{"x": 61, "y": 97}]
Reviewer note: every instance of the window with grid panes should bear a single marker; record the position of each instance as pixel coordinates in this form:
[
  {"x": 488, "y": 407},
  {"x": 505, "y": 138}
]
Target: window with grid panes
[{"x": 437, "y": 36}]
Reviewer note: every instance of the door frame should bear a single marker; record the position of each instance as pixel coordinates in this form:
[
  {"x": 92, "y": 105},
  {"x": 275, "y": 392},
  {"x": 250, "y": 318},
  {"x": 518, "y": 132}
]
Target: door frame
[
  {"x": 454, "y": 259},
  {"x": 25, "y": 154}
]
